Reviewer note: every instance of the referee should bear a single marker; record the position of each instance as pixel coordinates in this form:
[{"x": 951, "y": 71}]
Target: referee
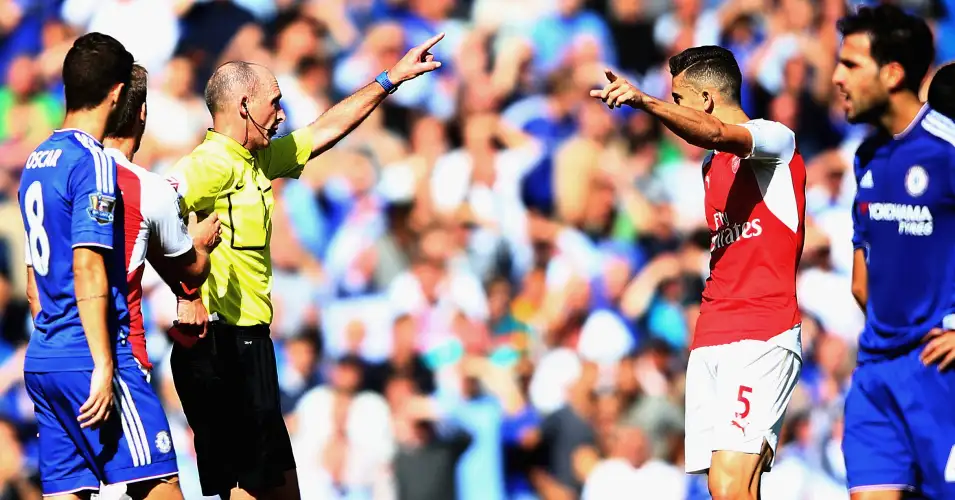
[{"x": 227, "y": 381}]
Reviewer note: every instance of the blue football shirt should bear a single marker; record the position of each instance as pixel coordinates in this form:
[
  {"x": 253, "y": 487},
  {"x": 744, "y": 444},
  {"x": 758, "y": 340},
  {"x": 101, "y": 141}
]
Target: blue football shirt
[
  {"x": 68, "y": 199},
  {"x": 904, "y": 219}
]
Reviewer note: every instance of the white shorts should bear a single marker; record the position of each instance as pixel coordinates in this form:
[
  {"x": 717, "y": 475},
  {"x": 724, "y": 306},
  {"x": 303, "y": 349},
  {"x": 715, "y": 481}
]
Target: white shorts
[{"x": 737, "y": 394}]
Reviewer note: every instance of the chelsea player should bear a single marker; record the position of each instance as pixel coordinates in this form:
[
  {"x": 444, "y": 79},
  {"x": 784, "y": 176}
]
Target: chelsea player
[
  {"x": 899, "y": 416},
  {"x": 99, "y": 419}
]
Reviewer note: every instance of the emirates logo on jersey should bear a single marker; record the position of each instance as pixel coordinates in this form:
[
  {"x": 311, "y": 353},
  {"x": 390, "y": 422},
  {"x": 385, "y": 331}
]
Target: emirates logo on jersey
[
  {"x": 735, "y": 164},
  {"x": 726, "y": 233}
]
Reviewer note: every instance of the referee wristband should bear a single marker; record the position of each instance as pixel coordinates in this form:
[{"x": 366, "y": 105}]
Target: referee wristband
[{"x": 386, "y": 82}]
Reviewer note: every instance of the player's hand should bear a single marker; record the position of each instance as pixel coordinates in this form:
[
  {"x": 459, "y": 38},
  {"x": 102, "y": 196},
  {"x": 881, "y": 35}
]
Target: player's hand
[
  {"x": 416, "y": 62},
  {"x": 207, "y": 233},
  {"x": 97, "y": 408},
  {"x": 939, "y": 348},
  {"x": 618, "y": 92},
  {"x": 192, "y": 318}
]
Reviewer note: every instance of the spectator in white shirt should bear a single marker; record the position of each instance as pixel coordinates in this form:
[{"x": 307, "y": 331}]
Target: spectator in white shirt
[
  {"x": 342, "y": 438},
  {"x": 148, "y": 28},
  {"x": 487, "y": 181},
  {"x": 434, "y": 291},
  {"x": 177, "y": 117},
  {"x": 629, "y": 469}
]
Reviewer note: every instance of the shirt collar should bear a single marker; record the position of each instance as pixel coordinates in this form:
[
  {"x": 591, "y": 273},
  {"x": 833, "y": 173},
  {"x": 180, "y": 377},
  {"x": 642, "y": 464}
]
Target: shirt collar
[
  {"x": 229, "y": 144},
  {"x": 913, "y": 123},
  {"x": 115, "y": 154},
  {"x": 76, "y": 130}
]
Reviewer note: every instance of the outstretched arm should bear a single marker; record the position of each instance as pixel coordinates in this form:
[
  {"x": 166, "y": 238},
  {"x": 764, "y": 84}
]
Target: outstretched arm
[
  {"x": 342, "y": 118},
  {"x": 695, "y": 127}
]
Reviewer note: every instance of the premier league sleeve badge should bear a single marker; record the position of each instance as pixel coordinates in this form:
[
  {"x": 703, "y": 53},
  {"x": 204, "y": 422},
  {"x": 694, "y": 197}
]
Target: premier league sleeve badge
[{"x": 101, "y": 208}]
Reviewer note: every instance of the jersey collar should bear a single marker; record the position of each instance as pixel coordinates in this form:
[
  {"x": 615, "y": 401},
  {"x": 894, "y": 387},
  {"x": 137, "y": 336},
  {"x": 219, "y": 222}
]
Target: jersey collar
[
  {"x": 229, "y": 144},
  {"x": 115, "y": 154},
  {"x": 915, "y": 121},
  {"x": 76, "y": 130}
]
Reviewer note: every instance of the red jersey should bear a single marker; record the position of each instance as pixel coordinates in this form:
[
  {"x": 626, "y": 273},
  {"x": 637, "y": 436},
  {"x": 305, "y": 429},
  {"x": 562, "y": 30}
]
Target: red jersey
[
  {"x": 151, "y": 217},
  {"x": 755, "y": 209}
]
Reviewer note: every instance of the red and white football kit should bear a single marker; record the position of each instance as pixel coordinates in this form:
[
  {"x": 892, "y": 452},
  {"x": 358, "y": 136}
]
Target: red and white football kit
[
  {"x": 746, "y": 353},
  {"x": 152, "y": 216}
]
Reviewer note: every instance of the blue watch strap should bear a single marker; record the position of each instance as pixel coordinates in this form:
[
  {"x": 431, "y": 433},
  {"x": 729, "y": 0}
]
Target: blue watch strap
[{"x": 385, "y": 83}]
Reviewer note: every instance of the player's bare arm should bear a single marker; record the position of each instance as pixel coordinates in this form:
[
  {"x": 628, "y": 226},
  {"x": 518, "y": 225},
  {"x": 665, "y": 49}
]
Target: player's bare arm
[
  {"x": 342, "y": 118},
  {"x": 92, "y": 300},
  {"x": 186, "y": 273},
  {"x": 860, "y": 278},
  {"x": 695, "y": 127},
  {"x": 192, "y": 267},
  {"x": 33, "y": 296},
  {"x": 191, "y": 314}
]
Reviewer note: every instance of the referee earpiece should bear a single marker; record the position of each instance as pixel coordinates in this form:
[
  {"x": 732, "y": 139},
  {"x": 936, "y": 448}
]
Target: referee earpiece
[{"x": 248, "y": 116}]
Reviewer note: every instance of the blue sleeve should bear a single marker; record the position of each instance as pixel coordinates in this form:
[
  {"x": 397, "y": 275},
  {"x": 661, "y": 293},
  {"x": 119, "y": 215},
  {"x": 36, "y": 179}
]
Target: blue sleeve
[
  {"x": 92, "y": 191},
  {"x": 514, "y": 426}
]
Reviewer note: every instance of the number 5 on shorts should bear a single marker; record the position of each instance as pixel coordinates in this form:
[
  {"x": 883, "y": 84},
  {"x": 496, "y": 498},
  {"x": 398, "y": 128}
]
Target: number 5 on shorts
[{"x": 741, "y": 397}]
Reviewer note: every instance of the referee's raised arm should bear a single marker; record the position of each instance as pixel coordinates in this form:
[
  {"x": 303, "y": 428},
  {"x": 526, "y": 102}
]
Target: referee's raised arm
[
  {"x": 343, "y": 117},
  {"x": 227, "y": 381}
]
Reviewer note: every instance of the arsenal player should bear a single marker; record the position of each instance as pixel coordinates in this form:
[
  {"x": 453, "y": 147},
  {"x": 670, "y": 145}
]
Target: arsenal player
[
  {"x": 746, "y": 352},
  {"x": 153, "y": 224}
]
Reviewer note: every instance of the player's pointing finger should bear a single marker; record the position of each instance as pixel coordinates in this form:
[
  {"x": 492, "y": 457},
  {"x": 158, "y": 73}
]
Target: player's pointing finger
[
  {"x": 610, "y": 76},
  {"x": 431, "y": 42}
]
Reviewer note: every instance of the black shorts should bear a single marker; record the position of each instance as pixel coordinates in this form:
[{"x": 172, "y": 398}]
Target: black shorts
[{"x": 228, "y": 386}]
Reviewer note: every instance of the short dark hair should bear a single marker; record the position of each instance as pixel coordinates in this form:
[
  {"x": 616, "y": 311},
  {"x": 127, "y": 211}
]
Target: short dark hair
[
  {"x": 309, "y": 63},
  {"x": 124, "y": 124},
  {"x": 711, "y": 64},
  {"x": 227, "y": 79},
  {"x": 941, "y": 92},
  {"x": 93, "y": 66},
  {"x": 894, "y": 36}
]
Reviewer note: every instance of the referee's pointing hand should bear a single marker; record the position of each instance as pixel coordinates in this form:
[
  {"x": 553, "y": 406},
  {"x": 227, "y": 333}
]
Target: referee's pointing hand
[{"x": 416, "y": 62}]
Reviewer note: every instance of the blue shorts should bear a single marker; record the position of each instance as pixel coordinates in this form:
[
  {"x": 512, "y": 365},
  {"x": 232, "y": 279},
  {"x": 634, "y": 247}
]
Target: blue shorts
[
  {"x": 132, "y": 446},
  {"x": 900, "y": 428}
]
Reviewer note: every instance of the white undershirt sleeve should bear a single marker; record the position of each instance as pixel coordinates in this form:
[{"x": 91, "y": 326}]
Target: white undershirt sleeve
[
  {"x": 771, "y": 141},
  {"x": 164, "y": 216}
]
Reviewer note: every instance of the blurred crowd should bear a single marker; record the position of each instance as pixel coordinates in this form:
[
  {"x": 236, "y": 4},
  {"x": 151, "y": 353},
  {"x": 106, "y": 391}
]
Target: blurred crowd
[{"x": 488, "y": 289}]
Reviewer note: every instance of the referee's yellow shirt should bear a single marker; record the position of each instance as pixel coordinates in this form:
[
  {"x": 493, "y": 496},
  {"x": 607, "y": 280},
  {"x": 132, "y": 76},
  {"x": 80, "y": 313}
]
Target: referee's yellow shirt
[{"x": 223, "y": 177}]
